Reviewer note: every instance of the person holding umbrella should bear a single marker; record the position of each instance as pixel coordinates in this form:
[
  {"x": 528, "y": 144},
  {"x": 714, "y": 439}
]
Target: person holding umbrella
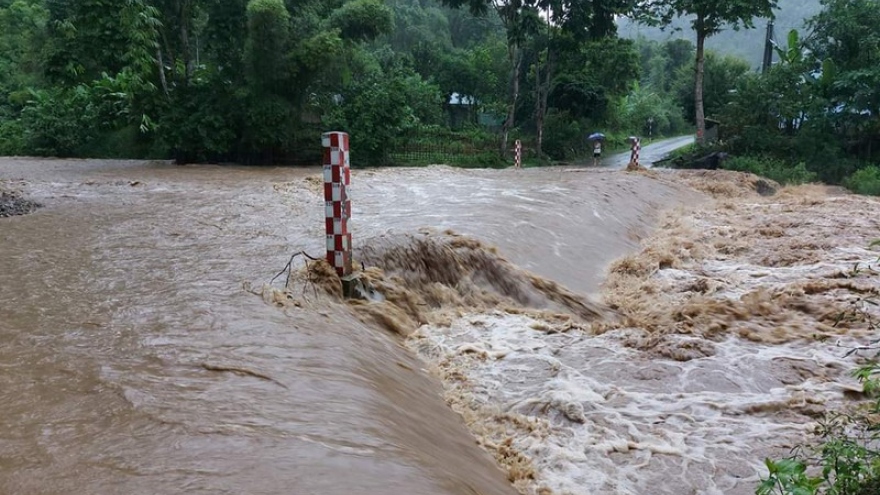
[{"x": 597, "y": 138}]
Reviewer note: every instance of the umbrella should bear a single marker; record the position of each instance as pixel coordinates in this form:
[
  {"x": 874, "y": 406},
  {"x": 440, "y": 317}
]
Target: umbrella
[{"x": 597, "y": 136}]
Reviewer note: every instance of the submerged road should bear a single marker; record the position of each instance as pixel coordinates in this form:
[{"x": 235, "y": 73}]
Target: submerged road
[{"x": 651, "y": 152}]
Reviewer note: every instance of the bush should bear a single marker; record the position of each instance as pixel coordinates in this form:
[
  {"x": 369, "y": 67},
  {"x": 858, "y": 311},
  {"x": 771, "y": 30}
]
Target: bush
[
  {"x": 634, "y": 110},
  {"x": 689, "y": 151},
  {"x": 773, "y": 169},
  {"x": 58, "y": 123},
  {"x": 564, "y": 137},
  {"x": 199, "y": 123},
  {"x": 11, "y": 138},
  {"x": 690, "y": 156},
  {"x": 381, "y": 110},
  {"x": 486, "y": 159},
  {"x": 865, "y": 181},
  {"x": 127, "y": 143}
]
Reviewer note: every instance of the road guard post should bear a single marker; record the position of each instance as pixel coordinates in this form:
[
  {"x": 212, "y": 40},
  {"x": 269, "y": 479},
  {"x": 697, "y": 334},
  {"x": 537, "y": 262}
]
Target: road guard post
[
  {"x": 636, "y": 147},
  {"x": 337, "y": 204}
]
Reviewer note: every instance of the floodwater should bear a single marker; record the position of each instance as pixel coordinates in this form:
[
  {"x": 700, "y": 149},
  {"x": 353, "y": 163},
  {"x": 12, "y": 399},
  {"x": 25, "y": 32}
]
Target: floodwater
[
  {"x": 134, "y": 360},
  {"x": 739, "y": 315},
  {"x": 136, "y": 357}
]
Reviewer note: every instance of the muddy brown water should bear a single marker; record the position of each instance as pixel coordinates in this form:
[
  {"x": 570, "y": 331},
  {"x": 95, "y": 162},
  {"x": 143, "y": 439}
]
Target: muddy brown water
[{"x": 125, "y": 328}]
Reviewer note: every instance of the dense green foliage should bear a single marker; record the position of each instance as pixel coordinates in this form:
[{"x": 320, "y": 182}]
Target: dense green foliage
[
  {"x": 865, "y": 181},
  {"x": 772, "y": 168},
  {"x": 820, "y": 105},
  {"x": 707, "y": 18},
  {"x": 256, "y": 81}
]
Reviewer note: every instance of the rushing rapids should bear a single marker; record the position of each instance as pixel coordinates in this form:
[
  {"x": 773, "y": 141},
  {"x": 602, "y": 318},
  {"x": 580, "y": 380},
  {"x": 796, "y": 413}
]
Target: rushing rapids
[{"x": 585, "y": 352}]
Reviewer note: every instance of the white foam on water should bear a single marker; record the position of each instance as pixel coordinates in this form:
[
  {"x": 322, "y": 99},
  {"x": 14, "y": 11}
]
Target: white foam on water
[{"x": 620, "y": 420}]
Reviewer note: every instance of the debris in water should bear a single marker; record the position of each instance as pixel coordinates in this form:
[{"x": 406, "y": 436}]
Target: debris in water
[
  {"x": 241, "y": 372},
  {"x": 13, "y": 204}
]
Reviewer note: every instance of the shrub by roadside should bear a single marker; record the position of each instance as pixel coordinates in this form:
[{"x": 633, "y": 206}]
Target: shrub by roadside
[
  {"x": 864, "y": 181},
  {"x": 772, "y": 168}
]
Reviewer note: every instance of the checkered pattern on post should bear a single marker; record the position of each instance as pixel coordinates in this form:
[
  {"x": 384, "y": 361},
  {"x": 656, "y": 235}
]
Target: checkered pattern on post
[
  {"x": 518, "y": 163},
  {"x": 337, "y": 203},
  {"x": 636, "y": 148}
]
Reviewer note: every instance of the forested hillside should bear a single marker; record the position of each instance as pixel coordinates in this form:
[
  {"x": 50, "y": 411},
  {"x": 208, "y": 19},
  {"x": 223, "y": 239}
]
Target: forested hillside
[
  {"x": 256, "y": 81},
  {"x": 426, "y": 81},
  {"x": 746, "y": 44}
]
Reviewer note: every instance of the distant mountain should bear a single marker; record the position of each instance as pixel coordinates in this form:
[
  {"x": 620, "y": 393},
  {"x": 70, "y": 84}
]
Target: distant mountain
[{"x": 746, "y": 44}]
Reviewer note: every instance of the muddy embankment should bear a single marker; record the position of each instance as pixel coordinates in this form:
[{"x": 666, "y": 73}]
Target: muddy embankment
[{"x": 717, "y": 343}]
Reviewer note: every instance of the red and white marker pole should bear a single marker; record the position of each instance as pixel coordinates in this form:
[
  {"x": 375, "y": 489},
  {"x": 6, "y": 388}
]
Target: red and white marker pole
[
  {"x": 337, "y": 179},
  {"x": 518, "y": 162},
  {"x": 636, "y": 148}
]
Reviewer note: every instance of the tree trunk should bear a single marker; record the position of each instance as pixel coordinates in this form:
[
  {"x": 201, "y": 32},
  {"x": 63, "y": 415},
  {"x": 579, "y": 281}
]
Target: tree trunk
[
  {"x": 188, "y": 62},
  {"x": 698, "y": 87},
  {"x": 542, "y": 93},
  {"x": 161, "y": 63},
  {"x": 171, "y": 57},
  {"x": 515, "y": 58},
  {"x": 539, "y": 112}
]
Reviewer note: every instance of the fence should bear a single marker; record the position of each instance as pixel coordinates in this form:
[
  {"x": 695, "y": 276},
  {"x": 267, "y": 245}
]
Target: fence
[
  {"x": 440, "y": 147},
  {"x": 425, "y": 147}
]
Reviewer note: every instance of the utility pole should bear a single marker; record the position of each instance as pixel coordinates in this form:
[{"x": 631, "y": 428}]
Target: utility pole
[{"x": 768, "y": 48}]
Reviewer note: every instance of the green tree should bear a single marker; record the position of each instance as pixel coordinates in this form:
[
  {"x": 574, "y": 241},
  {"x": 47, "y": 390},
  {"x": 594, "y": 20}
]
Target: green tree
[
  {"x": 362, "y": 20},
  {"x": 520, "y": 19},
  {"x": 380, "y": 109},
  {"x": 22, "y": 40},
  {"x": 663, "y": 62},
  {"x": 818, "y": 105},
  {"x": 568, "y": 26},
  {"x": 22, "y": 37},
  {"x": 708, "y": 17},
  {"x": 248, "y": 80},
  {"x": 267, "y": 45},
  {"x": 846, "y": 35},
  {"x": 594, "y": 75},
  {"x": 721, "y": 75},
  {"x": 642, "y": 104}
]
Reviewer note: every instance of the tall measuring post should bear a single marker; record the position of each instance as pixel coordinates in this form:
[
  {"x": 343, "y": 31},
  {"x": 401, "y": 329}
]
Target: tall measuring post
[
  {"x": 518, "y": 159},
  {"x": 337, "y": 204},
  {"x": 636, "y": 144}
]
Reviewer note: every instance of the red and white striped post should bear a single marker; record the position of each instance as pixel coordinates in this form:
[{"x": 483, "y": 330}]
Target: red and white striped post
[
  {"x": 518, "y": 162},
  {"x": 337, "y": 179},
  {"x": 636, "y": 148}
]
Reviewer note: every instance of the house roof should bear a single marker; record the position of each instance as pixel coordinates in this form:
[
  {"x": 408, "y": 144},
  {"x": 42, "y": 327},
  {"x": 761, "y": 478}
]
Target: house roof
[{"x": 459, "y": 99}]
